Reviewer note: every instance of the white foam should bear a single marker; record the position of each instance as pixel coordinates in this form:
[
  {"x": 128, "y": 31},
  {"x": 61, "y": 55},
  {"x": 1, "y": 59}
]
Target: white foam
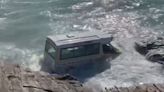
[
  {"x": 130, "y": 68},
  {"x": 25, "y": 57},
  {"x": 2, "y": 20}
]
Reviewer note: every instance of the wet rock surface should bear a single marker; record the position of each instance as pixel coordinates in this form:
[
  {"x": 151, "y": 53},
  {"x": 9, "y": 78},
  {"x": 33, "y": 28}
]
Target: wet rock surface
[
  {"x": 139, "y": 88},
  {"x": 14, "y": 78},
  {"x": 152, "y": 48}
]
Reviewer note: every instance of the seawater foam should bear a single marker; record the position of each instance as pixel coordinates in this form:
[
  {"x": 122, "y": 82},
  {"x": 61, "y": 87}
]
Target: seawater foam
[
  {"x": 130, "y": 68},
  {"x": 25, "y": 57}
]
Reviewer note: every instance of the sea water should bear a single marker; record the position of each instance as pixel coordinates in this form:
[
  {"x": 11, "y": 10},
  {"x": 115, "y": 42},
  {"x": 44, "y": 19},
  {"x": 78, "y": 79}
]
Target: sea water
[{"x": 25, "y": 24}]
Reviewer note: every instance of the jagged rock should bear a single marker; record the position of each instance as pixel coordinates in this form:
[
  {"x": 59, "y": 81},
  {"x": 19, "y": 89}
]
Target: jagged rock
[
  {"x": 14, "y": 78},
  {"x": 152, "y": 48},
  {"x": 156, "y": 55}
]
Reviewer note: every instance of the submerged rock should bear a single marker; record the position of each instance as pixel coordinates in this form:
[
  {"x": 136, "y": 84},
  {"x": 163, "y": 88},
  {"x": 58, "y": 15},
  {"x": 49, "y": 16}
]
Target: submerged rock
[{"x": 152, "y": 48}]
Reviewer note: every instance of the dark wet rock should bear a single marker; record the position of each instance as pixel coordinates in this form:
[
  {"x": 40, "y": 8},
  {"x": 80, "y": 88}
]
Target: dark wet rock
[
  {"x": 14, "y": 78},
  {"x": 67, "y": 77},
  {"x": 152, "y": 48}
]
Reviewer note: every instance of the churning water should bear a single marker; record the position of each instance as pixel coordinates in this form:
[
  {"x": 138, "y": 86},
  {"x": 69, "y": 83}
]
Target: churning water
[{"x": 24, "y": 25}]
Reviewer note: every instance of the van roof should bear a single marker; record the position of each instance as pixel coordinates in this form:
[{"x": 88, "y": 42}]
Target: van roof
[{"x": 78, "y": 37}]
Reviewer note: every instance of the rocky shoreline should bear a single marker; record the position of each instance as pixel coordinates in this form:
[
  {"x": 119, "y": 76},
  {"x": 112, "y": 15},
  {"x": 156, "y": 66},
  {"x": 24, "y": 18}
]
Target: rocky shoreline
[{"x": 14, "y": 78}]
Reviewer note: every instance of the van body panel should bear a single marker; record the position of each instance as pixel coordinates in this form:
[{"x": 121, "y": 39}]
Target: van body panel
[{"x": 75, "y": 42}]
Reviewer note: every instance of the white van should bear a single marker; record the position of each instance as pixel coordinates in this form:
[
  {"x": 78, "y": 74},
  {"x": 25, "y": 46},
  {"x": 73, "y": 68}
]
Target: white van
[{"x": 70, "y": 50}]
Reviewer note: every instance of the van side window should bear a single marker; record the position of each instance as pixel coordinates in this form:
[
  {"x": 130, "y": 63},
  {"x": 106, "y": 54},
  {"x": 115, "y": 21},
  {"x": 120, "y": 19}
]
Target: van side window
[
  {"x": 51, "y": 50},
  {"x": 67, "y": 53},
  {"x": 107, "y": 48},
  {"x": 79, "y": 51},
  {"x": 92, "y": 49}
]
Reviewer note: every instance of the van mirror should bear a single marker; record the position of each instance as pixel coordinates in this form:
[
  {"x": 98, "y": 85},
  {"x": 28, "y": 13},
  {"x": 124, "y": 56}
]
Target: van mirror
[{"x": 107, "y": 48}]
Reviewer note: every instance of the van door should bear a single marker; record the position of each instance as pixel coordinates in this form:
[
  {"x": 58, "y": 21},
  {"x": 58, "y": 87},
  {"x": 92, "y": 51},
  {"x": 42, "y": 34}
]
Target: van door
[{"x": 49, "y": 57}]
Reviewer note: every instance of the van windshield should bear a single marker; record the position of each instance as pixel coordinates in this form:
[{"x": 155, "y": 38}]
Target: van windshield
[{"x": 79, "y": 51}]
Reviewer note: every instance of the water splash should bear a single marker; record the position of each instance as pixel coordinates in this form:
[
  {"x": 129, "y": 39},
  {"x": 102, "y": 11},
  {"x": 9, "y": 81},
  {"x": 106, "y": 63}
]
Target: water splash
[{"x": 27, "y": 58}]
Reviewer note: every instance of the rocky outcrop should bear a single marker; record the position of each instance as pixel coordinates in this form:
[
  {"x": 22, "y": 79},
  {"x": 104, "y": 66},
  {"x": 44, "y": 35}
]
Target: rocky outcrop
[
  {"x": 152, "y": 48},
  {"x": 139, "y": 88},
  {"x": 14, "y": 78}
]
